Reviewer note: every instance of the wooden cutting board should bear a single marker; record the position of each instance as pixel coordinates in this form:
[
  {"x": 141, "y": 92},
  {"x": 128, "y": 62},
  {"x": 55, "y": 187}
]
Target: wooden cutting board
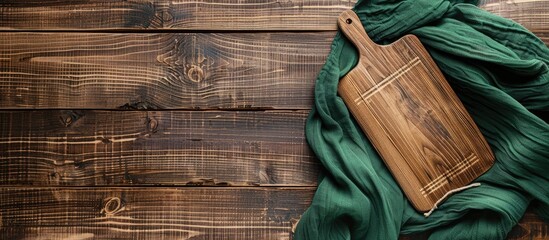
[{"x": 415, "y": 121}]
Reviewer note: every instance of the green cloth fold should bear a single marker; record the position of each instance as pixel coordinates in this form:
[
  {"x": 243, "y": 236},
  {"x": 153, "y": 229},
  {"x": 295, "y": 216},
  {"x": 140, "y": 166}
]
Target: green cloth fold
[{"x": 499, "y": 71}]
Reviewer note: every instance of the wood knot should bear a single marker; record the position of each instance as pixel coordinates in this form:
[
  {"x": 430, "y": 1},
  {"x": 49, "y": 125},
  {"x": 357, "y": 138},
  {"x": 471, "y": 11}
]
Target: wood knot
[
  {"x": 166, "y": 16},
  {"x": 195, "y": 73},
  {"x": 70, "y": 117},
  {"x": 267, "y": 175},
  {"x": 113, "y": 206},
  {"x": 66, "y": 121},
  {"x": 152, "y": 124}
]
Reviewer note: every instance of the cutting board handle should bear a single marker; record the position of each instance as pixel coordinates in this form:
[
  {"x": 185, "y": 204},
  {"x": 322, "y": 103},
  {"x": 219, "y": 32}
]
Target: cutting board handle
[{"x": 350, "y": 25}]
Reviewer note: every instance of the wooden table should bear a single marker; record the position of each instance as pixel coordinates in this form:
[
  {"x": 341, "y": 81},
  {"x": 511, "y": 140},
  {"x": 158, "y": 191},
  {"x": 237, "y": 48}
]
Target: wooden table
[{"x": 168, "y": 119}]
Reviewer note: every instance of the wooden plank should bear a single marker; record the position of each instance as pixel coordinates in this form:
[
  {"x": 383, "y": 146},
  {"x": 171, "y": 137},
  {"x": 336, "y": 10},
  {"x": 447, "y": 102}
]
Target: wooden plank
[
  {"x": 160, "y": 71},
  {"x": 89, "y": 148},
  {"x": 151, "y": 213},
  {"x": 214, "y": 15},
  {"x": 174, "y": 14}
]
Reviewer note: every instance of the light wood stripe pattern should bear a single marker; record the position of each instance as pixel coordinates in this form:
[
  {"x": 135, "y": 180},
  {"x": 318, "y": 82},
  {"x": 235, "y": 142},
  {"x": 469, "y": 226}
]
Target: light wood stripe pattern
[
  {"x": 442, "y": 179},
  {"x": 388, "y": 80}
]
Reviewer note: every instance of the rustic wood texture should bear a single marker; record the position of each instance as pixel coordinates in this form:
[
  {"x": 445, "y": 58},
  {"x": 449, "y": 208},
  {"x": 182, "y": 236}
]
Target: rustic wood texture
[
  {"x": 160, "y": 71},
  {"x": 214, "y": 15},
  {"x": 221, "y": 148},
  {"x": 151, "y": 213},
  {"x": 85, "y": 58},
  {"x": 412, "y": 116},
  {"x": 177, "y": 14}
]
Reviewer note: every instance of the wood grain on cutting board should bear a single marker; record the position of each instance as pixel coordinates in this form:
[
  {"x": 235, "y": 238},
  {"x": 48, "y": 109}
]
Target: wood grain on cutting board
[{"x": 411, "y": 115}]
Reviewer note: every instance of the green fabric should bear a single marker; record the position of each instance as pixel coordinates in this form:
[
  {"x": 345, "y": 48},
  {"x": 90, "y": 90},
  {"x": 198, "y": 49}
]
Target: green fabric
[{"x": 497, "y": 68}]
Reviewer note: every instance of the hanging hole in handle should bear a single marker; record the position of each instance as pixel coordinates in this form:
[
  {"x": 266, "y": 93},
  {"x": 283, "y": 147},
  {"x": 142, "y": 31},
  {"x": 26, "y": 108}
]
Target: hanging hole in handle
[{"x": 349, "y": 21}]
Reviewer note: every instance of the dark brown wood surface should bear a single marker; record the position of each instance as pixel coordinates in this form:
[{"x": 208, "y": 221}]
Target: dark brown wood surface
[
  {"x": 214, "y": 15},
  {"x": 172, "y": 14},
  {"x": 151, "y": 213},
  {"x": 219, "y": 148},
  {"x": 122, "y": 171},
  {"x": 160, "y": 71}
]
